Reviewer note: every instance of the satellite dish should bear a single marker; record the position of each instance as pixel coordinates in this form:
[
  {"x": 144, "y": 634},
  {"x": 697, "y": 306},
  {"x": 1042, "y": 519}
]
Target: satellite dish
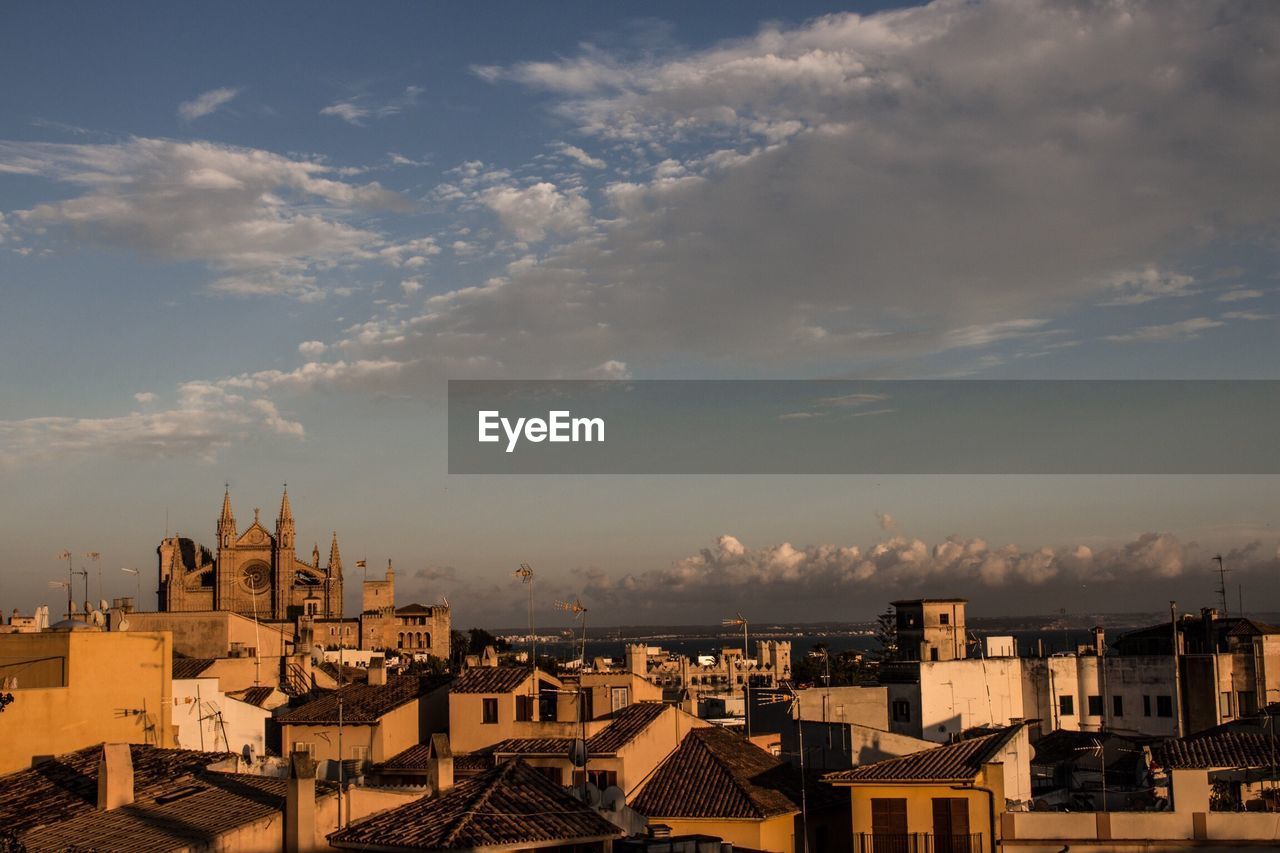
[
  {"x": 578, "y": 752},
  {"x": 88, "y": 607},
  {"x": 613, "y": 799},
  {"x": 75, "y": 608},
  {"x": 98, "y": 618},
  {"x": 103, "y": 605},
  {"x": 123, "y": 626}
]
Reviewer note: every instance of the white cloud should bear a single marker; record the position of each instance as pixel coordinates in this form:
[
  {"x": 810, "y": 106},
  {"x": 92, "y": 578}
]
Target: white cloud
[
  {"x": 532, "y": 212},
  {"x": 410, "y": 286},
  {"x": 358, "y": 108},
  {"x": 145, "y": 397},
  {"x": 1247, "y": 315},
  {"x": 266, "y": 222},
  {"x": 1182, "y": 330},
  {"x": 1146, "y": 284},
  {"x": 582, "y": 158},
  {"x": 205, "y": 419},
  {"x": 312, "y": 349},
  {"x": 207, "y": 103},
  {"x": 1239, "y": 295}
]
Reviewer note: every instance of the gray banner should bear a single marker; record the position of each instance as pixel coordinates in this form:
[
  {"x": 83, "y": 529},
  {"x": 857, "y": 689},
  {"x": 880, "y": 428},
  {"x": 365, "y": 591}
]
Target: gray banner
[{"x": 863, "y": 427}]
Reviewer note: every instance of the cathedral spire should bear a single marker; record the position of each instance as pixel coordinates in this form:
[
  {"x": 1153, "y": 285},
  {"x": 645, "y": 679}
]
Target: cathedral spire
[
  {"x": 286, "y": 512},
  {"x": 226, "y": 521},
  {"x": 335, "y": 559},
  {"x": 315, "y": 555},
  {"x": 226, "y": 505}
]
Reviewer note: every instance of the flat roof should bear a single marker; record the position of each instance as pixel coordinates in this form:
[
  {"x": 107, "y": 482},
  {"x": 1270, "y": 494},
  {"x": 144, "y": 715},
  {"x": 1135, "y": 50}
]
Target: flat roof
[{"x": 929, "y": 601}]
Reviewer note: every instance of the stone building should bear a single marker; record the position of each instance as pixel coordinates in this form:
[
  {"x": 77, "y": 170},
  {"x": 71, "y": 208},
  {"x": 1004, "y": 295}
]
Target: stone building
[
  {"x": 726, "y": 674},
  {"x": 414, "y": 629},
  {"x": 255, "y": 572}
]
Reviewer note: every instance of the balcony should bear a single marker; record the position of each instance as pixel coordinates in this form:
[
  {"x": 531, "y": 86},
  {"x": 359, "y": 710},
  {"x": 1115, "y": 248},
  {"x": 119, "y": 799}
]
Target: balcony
[{"x": 917, "y": 842}]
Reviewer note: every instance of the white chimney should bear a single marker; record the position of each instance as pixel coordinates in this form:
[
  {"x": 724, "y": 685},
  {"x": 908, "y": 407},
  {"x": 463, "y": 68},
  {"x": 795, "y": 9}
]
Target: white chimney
[
  {"x": 377, "y": 671},
  {"x": 115, "y": 776}
]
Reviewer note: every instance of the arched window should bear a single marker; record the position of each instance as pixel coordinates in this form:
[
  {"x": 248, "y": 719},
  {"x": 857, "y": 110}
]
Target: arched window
[
  {"x": 419, "y": 638},
  {"x": 400, "y": 644},
  {"x": 426, "y": 640}
]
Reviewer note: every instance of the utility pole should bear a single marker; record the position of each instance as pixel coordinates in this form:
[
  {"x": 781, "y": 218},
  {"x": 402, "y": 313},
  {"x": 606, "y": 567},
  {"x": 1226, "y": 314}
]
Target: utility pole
[{"x": 341, "y": 791}]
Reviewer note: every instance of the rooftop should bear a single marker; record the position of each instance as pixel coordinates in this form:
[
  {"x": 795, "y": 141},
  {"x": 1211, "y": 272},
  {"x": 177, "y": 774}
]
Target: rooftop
[
  {"x": 714, "y": 773},
  {"x": 510, "y": 805},
  {"x": 624, "y": 724},
  {"x": 362, "y": 703},
  {"x": 1220, "y": 748},
  {"x": 191, "y": 667},
  {"x": 491, "y": 679},
  {"x": 956, "y": 762}
]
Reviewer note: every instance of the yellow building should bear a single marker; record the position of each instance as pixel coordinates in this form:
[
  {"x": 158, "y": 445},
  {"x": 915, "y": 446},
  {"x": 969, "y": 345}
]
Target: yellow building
[
  {"x": 488, "y": 704},
  {"x": 945, "y": 799},
  {"x": 716, "y": 783},
  {"x": 81, "y": 686},
  {"x": 932, "y": 629},
  {"x": 624, "y": 752},
  {"x": 379, "y": 719}
]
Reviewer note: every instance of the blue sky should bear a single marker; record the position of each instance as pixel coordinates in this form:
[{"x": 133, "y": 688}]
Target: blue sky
[{"x": 250, "y": 244}]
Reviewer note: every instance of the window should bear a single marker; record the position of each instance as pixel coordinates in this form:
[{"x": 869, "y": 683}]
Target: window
[
  {"x": 304, "y": 746},
  {"x": 901, "y": 711},
  {"x": 951, "y": 825},
  {"x": 933, "y": 654},
  {"x": 600, "y": 778},
  {"x": 547, "y": 703},
  {"x": 1247, "y": 703},
  {"x": 1117, "y": 706},
  {"x": 1095, "y": 706},
  {"x": 360, "y": 754},
  {"x": 1164, "y": 706},
  {"x": 555, "y": 774},
  {"x": 1066, "y": 706},
  {"x": 888, "y": 824},
  {"x": 1224, "y": 703},
  {"x": 1146, "y": 706},
  {"x": 619, "y": 698},
  {"x": 490, "y": 711},
  {"x": 944, "y": 618},
  {"x": 524, "y": 709}
]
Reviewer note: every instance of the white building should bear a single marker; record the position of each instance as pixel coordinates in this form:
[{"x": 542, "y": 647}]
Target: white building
[{"x": 212, "y": 721}]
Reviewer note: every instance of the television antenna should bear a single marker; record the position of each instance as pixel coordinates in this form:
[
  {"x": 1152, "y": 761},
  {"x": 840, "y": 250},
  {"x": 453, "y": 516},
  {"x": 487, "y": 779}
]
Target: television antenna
[
  {"x": 792, "y": 700},
  {"x": 97, "y": 561},
  {"x": 137, "y": 576},
  {"x": 734, "y": 621},
  {"x": 579, "y": 611},
  {"x": 525, "y": 573}
]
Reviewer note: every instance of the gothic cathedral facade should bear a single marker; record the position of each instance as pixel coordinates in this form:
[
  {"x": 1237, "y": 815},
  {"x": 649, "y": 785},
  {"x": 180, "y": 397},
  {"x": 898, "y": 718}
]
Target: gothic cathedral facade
[{"x": 256, "y": 572}]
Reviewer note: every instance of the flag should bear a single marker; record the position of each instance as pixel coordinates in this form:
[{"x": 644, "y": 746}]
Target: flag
[{"x": 360, "y": 564}]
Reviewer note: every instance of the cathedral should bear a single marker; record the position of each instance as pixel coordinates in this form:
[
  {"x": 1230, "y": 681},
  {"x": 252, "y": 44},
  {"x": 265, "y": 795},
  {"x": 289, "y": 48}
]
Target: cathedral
[{"x": 256, "y": 573}]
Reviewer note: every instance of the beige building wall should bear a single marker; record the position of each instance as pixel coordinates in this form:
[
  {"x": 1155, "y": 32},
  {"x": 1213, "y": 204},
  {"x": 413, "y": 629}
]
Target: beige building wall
[
  {"x": 468, "y": 731},
  {"x": 112, "y": 687},
  {"x": 775, "y": 834},
  {"x": 211, "y": 633},
  {"x": 395, "y": 731},
  {"x": 613, "y": 690},
  {"x": 919, "y": 800}
]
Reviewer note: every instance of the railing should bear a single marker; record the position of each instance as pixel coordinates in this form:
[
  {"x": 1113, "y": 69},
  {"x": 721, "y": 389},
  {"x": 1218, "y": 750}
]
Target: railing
[{"x": 918, "y": 842}]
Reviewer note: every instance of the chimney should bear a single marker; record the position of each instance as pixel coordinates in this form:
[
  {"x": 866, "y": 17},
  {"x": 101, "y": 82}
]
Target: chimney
[
  {"x": 115, "y": 776},
  {"x": 300, "y": 805},
  {"x": 1099, "y": 640},
  {"x": 441, "y": 764},
  {"x": 1208, "y": 615},
  {"x": 377, "y": 671}
]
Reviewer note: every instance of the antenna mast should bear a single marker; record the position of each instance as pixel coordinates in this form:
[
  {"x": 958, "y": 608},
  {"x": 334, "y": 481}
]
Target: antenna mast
[
  {"x": 525, "y": 573},
  {"x": 1222, "y": 583}
]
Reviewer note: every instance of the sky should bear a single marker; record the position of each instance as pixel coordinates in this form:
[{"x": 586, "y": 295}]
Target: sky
[{"x": 249, "y": 244}]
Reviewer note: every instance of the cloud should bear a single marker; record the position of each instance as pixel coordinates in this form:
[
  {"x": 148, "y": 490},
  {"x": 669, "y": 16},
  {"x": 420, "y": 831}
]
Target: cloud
[
  {"x": 1182, "y": 330},
  {"x": 1240, "y": 295},
  {"x": 530, "y": 213},
  {"x": 837, "y": 199},
  {"x": 729, "y": 570},
  {"x": 311, "y": 349},
  {"x": 1247, "y": 315},
  {"x": 410, "y": 286},
  {"x": 145, "y": 397},
  {"x": 205, "y": 418},
  {"x": 266, "y": 222},
  {"x": 206, "y": 103},
  {"x": 1145, "y": 285},
  {"x": 582, "y": 158},
  {"x": 358, "y": 108}
]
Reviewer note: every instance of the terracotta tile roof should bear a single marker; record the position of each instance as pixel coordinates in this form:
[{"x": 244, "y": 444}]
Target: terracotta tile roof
[
  {"x": 191, "y": 667},
  {"x": 490, "y": 679},
  {"x": 253, "y": 695},
  {"x": 473, "y": 762},
  {"x": 361, "y": 703},
  {"x": 68, "y": 784},
  {"x": 413, "y": 758},
  {"x": 1222, "y": 748},
  {"x": 512, "y": 804},
  {"x": 188, "y": 812},
  {"x": 410, "y": 609},
  {"x": 714, "y": 773},
  {"x": 956, "y": 762},
  {"x": 624, "y": 725}
]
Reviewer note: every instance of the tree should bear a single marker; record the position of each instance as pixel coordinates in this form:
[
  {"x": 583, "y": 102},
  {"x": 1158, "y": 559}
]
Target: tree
[
  {"x": 887, "y": 635},
  {"x": 5, "y": 699}
]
